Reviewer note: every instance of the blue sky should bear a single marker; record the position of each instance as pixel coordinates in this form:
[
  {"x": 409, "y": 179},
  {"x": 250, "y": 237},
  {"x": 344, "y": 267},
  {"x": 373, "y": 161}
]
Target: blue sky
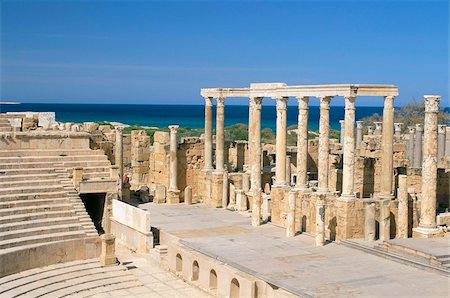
[{"x": 164, "y": 52}]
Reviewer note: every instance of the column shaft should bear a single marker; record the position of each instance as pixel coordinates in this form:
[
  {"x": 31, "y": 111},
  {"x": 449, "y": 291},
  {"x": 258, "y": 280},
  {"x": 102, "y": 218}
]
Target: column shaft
[
  {"x": 441, "y": 141},
  {"x": 349, "y": 148},
  {"x": 412, "y": 131},
  {"x": 342, "y": 132},
  {"x": 429, "y": 165},
  {"x": 387, "y": 161},
  {"x": 208, "y": 133},
  {"x": 119, "y": 157},
  {"x": 359, "y": 136},
  {"x": 173, "y": 172},
  {"x": 323, "y": 154},
  {"x": 402, "y": 194},
  {"x": 220, "y": 142},
  {"x": 320, "y": 220},
  {"x": 255, "y": 132},
  {"x": 302, "y": 143},
  {"x": 280, "y": 169},
  {"x": 418, "y": 146}
]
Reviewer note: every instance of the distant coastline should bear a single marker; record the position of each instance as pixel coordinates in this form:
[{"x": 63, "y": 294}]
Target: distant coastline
[{"x": 9, "y": 103}]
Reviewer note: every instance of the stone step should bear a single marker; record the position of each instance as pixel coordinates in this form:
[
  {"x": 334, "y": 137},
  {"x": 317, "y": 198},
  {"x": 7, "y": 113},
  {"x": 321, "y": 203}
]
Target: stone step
[
  {"x": 35, "y": 209},
  {"x": 112, "y": 287},
  {"x": 35, "y": 216},
  {"x": 35, "y": 182},
  {"x": 33, "y": 196},
  {"x": 5, "y": 129},
  {"x": 61, "y": 158},
  {"x": 29, "y": 203},
  {"x": 34, "y": 239},
  {"x": 49, "y": 152},
  {"x": 65, "y": 164},
  {"x": 88, "y": 170},
  {"x": 50, "y": 229},
  {"x": 26, "y": 177},
  {"x": 15, "y": 226},
  {"x": 37, "y": 171},
  {"x": 30, "y": 189}
]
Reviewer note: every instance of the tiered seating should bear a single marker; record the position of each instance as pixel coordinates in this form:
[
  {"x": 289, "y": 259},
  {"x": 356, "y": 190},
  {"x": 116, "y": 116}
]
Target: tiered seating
[
  {"x": 78, "y": 278},
  {"x": 42, "y": 218},
  {"x": 4, "y": 125}
]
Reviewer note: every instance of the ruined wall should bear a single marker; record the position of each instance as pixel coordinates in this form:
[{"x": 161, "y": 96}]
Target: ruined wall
[
  {"x": 159, "y": 160},
  {"x": 140, "y": 152},
  {"x": 190, "y": 164}
]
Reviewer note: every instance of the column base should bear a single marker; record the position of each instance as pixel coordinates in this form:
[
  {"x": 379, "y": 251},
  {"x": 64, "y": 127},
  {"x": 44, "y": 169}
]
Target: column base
[
  {"x": 347, "y": 198},
  {"x": 173, "y": 196},
  {"x": 108, "y": 252},
  {"x": 426, "y": 233}
]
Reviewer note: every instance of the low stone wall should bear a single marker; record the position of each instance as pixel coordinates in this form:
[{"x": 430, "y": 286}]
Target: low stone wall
[
  {"x": 131, "y": 226},
  {"x": 18, "y": 260},
  {"x": 212, "y": 275},
  {"x": 44, "y": 140}
]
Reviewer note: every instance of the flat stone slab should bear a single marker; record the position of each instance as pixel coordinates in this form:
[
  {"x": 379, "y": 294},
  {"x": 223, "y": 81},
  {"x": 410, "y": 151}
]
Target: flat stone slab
[
  {"x": 293, "y": 264},
  {"x": 431, "y": 246}
]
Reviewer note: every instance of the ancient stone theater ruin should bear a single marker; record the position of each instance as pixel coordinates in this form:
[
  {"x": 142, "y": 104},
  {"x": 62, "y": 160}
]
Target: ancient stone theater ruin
[{"x": 362, "y": 215}]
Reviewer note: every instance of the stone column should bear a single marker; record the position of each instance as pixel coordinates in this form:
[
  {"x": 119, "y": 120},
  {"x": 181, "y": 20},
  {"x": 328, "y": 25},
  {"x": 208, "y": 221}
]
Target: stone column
[
  {"x": 385, "y": 220},
  {"x": 280, "y": 167},
  {"x": 290, "y": 226},
  {"x": 378, "y": 127},
  {"x": 418, "y": 146},
  {"x": 302, "y": 143},
  {"x": 342, "y": 136},
  {"x": 320, "y": 220},
  {"x": 427, "y": 222},
  {"x": 412, "y": 132},
  {"x": 369, "y": 222},
  {"x": 225, "y": 190},
  {"x": 220, "y": 144},
  {"x": 256, "y": 207},
  {"x": 255, "y": 133},
  {"x": 349, "y": 148},
  {"x": 188, "y": 195},
  {"x": 208, "y": 133},
  {"x": 402, "y": 221},
  {"x": 288, "y": 170},
  {"x": 370, "y": 130},
  {"x": 323, "y": 154},
  {"x": 387, "y": 161},
  {"x": 173, "y": 185},
  {"x": 441, "y": 141},
  {"x": 359, "y": 133},
  {"x": 119, "y": 157},
  {"x": 398, "y": 131},
  {"x": 250, "y": 151}
]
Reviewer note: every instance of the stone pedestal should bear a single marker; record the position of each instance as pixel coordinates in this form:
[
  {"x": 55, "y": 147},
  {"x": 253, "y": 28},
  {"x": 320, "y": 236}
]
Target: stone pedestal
[
  {"x": 173, "y": 196},
  {"x": 108, "y": 250},
  {"x": 278, "y": 206},
  {"x": 320, "y": 220},
  {"x": 290, "y": 225},
  {"x": 216, "y": 189},
  {"x": 369, "y": 222},
  {"x": 402, "y": 218},
  {"x": 188, "y": 195},
  {"x": 160, "y": 194},
  {"x": 385, "y": 220},
  {"x": 232, "y": 201},
  {"x": 241, "y": 200}
]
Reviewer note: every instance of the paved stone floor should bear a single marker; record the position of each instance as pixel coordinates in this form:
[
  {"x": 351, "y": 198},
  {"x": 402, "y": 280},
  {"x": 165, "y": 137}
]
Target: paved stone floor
[
  {"x": 157, "y": 281},
  {"x": 295, "y": 263}
]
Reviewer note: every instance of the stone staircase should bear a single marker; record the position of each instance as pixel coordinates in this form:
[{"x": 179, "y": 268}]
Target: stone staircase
[
  {"x": 72, "y": 279},
  {"x": 4, "y": 125},
  {"x": 439, "y": 264},
  {"x": 42, "y": 218}
]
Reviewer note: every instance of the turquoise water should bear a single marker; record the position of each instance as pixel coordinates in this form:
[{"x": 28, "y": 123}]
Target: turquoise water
[{"x": 184, "y": 115}]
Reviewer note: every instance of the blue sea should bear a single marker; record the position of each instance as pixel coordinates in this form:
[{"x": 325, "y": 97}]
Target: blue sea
[{"x": 184, "y": 115}]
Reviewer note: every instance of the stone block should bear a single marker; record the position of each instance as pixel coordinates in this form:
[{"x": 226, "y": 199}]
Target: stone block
[
  {"x": 160, "y": 194},
  {"x": 173, "y": 196}
]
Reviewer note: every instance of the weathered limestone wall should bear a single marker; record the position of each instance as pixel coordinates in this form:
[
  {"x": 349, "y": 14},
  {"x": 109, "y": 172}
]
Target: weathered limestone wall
[
  {"x": 44, "y": 140},
  {"x": 159, "y": 161},
  {"x": 190, "y": 164},
  {"x": 140, "y": 152}
]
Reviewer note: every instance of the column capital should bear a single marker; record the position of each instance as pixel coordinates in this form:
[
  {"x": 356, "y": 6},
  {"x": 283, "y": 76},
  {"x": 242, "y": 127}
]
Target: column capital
[
  {"x": 325, "y": 102},
  {"x": 398, "y": 126},
  {"x": 303, "y": 102},
  {"x": 441, "y": 128},
  {"x": 389, "y": 101},
  {"x": 359, "y": 124},
  {"x": 209, "y": 101},
  {"x": 256, "y": 102},
  {"x": 411, "y": 129},
  {"x": 432, "y": 103},
  {"x": 281, "y": 103},
  {"x": 220, "y": 101},
  {"x": 419, "y": 127},
  {"x": 173, "y": 128},
  {"x": 350, "y": 102}
]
